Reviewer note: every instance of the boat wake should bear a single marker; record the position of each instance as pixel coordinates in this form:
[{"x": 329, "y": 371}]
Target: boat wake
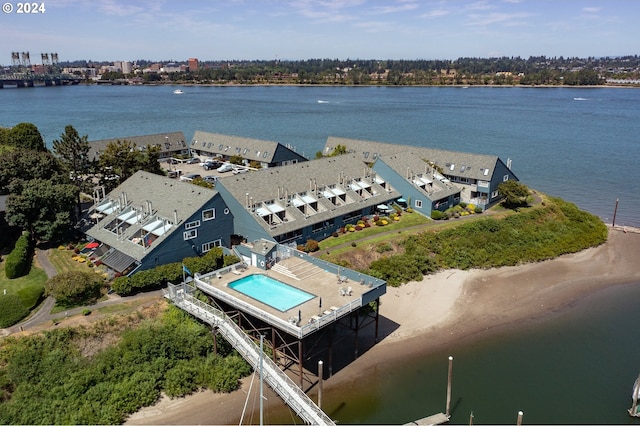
[
  {"x": 320, "y": 101},
  {"x": 580, "y": 99}
]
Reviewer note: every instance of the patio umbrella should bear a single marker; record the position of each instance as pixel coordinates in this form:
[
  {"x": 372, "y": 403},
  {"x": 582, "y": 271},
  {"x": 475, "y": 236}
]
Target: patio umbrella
[{"x": 92, "y": 245}]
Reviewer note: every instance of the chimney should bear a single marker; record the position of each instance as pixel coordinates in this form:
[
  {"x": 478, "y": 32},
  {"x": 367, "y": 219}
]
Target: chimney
[
  {"x": 246, "y": 200},
  {"x": 175, "y": 216}
]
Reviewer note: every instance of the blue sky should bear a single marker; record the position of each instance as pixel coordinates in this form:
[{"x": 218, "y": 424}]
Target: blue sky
[{"x": 302, "y": 29}]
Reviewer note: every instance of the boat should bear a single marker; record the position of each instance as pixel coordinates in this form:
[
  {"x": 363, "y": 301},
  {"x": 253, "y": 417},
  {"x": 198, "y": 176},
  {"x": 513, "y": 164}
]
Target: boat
[
  {"x": 178, "y": 92},
  {"x": 635, "y": 395}
]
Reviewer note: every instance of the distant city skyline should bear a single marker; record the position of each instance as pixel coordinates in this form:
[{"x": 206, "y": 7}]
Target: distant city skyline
[{"x": 117, "y": 30}]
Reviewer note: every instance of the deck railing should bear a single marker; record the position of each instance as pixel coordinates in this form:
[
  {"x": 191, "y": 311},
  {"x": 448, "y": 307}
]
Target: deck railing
[{"x": 292, "y": 395}]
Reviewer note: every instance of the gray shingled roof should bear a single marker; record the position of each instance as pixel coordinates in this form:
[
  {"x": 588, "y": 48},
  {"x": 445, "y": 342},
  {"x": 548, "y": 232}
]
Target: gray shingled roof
[
  {"x": 168, "y": 142},
  {"x": 288, "y": 186},
  {"x": 249, "y": 149},
  {"x": 409, "y": 164},
  {"x": 167, "y": 198},
  {"x": 464, "y": 164}
]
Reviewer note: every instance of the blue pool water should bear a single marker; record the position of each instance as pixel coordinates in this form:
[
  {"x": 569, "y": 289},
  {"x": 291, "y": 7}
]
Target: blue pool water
[{"x": 271, "y": 292}]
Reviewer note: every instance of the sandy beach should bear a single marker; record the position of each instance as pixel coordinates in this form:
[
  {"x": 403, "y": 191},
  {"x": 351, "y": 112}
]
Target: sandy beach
[{"x": 429, "y": 314}]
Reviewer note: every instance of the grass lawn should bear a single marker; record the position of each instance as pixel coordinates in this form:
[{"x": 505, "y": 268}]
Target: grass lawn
[
  {"x": 63, "y": 262},
  {"x": 406, "y": 220},
  {"x": 22, "y": 294},
  {"x": 35, "y": 278}
]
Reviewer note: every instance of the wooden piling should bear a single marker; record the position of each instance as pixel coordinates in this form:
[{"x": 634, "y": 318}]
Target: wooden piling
[
  {"x": 320, "y": 363},
  {"x": 520, "y": 414},
  {"x": 448, "y": 410}
]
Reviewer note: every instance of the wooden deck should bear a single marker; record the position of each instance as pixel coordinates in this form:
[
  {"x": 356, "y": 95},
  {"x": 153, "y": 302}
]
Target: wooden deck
[{"x": 436, "y": 419}]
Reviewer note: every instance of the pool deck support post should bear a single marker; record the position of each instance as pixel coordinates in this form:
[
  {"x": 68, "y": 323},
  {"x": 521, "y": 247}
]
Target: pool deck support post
[
  {"x": 355, "y": 342},
  {"x": 377, "y": 318},
  {"x": 273, "y": 345},
  {"x": 331, "y": 350},
  {"x": 300, "y": 366},
  {"x": 520, "y": 415}
]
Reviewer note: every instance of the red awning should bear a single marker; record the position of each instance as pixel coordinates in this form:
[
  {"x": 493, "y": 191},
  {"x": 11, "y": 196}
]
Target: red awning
[{"x": 92, "y": 245}]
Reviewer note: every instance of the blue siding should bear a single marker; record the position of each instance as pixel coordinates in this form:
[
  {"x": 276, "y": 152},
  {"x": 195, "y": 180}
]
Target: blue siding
[
  {"x": 407, "y": 189},
  {"x": 244, "y": 223},
  {"x": 174, "y": 247}
]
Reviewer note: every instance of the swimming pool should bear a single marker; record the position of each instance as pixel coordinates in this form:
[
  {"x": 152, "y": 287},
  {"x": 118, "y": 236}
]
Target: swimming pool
[{"x": 271, "y": 292}]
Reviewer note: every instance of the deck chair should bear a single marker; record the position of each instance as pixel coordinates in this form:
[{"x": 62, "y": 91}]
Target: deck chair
[{"x": 349, "y": 290}]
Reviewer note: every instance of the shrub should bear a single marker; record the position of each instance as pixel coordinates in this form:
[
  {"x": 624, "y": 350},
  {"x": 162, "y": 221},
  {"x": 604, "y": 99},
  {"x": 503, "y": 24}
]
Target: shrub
[
  {"x": 409, "y": 210},
  {"x": 384, "y": 247},
  {"x": 18, "y": 262},
  {"x": 86, "y": 312},
  {"x": 11, "y": 310},
  {"x": 74, "y": 287},
  {"x": 353, "y": 244},
  {"x": 311, "y": 246},
  {"x": 359, "y": 227},
  {"x": 477, "y": 209}
]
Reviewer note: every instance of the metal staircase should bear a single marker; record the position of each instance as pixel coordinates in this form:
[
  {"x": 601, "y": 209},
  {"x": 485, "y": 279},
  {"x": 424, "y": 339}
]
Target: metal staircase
[{"x": 291, "y": 394}]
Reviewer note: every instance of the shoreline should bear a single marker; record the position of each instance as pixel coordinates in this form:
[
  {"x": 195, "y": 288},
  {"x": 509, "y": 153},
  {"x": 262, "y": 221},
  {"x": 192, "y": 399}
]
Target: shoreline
[{"x": 452, "y": 305}]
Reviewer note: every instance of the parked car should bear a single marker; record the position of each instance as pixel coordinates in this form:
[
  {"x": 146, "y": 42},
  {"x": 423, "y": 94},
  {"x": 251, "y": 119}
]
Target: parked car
[
  {"x": 226, "y": 167},
  {"x": 189, "y": 177},
  {"x": 211, "y": 165},
  {"x": 238, "y": 170},
  {"x": 211, "y": 179},
  {"x": 194, "y": 160}
]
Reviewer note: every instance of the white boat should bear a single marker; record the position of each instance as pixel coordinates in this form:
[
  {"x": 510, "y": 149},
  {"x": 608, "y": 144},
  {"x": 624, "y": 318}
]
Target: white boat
[{"x": 178, "y": 92}]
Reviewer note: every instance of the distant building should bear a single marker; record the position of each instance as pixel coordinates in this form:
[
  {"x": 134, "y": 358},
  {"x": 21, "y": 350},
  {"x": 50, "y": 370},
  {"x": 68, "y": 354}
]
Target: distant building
[
  {"x": 124, "y": 66},
  {"x": 194, "y": 64},
  {"x": 266, "y": 153},
  {"x": 476, "y": 175},
  {"x": 170, "y": 144}
]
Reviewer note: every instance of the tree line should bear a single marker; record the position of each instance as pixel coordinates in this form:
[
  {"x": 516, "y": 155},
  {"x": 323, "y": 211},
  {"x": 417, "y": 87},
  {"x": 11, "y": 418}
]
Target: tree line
[{"x": 535, "y": 70}]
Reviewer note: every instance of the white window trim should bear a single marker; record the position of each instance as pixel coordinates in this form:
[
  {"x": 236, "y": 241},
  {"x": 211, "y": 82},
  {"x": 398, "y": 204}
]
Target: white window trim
[
  {"x": 189, "y": 235},
  {"x": 494, "y": 194},
  {"x": 191, "y": 225},
  {"x": 212, "y": 210},
  {"x": 418, "y": 204},
  {"x": 505, "y": 178},
  {"x": 211, "y": 244}
]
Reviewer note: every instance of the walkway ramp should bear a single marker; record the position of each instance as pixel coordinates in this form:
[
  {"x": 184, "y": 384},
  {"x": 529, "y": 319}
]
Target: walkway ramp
[{"x": 290, "y": 393}]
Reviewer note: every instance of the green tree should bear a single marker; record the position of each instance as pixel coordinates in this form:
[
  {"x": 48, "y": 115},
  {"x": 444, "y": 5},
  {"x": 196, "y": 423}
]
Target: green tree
[
  {"x": 43, "y": 208},
  {"x": 338, "y": 150},
  {"x": 74, "y": 287},
  {"x": 20, "y": 165},
  {"x": 148, "y": 160},
  {"x": 513, "y": 192},
  {"x": 27, "y": 136},
  {"x": 121, "y": 159},
  {"x": 73, "y": 152}
]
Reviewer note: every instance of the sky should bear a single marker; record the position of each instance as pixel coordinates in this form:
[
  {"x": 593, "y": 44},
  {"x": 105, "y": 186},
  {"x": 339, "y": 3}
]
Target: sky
[{"x": 175, "y": 30}]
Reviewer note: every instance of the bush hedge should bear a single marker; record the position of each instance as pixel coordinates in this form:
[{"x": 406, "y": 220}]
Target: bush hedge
[
  {"x": 11, "y": 310},
  {"x": 172, "y": 272},
  {"x": 18, "y": 262}
]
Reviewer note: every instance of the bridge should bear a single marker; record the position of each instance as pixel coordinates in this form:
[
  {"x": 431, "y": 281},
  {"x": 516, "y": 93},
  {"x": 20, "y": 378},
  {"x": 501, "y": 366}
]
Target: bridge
[
  {"x": 32, "y": 79},
  {"x": 290, "y": 393}
]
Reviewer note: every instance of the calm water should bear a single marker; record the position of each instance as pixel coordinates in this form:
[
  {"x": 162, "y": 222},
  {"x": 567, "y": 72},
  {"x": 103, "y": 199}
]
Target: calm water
[{"x": 578, "y": 144}]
